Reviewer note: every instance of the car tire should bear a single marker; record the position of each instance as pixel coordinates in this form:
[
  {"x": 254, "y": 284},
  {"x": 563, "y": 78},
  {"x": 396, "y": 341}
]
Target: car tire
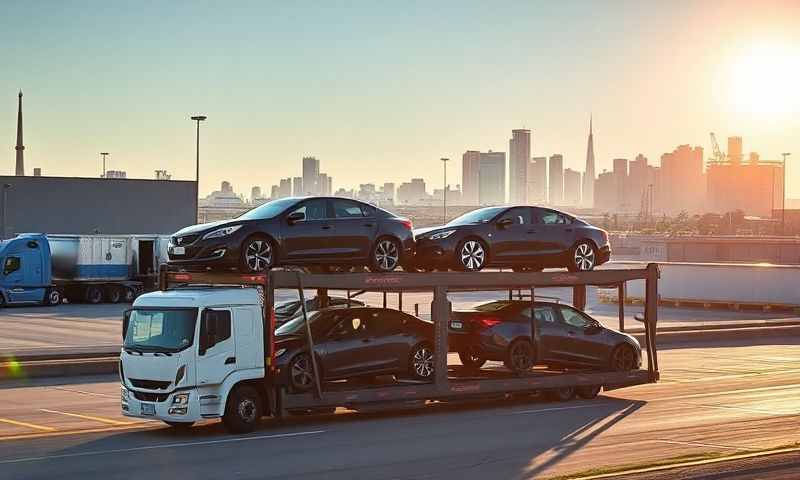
[
  {"x": 243, "y": 410},
  {"x": 94, "y": 295},
  {"x": 471, "y": 358},
  {"x": 623, "y": 358},
  {"x": 421, "y": 362},
  {"x": 385, "y": 255},
  {"x": 520, "y": 356},
  {"x": 563, "y": 394},
  {"x": 179, "y": 425},
  {"x": 53, "y": 297},
  {"x": 257, "y": 254},
  {"x": 114, "y": 294},
  {"x": 301, "y": 373},
  {"x": 588, "y": 392},
  {"x": 583, "y": 257},
  {"x": 471, "y": 255}
]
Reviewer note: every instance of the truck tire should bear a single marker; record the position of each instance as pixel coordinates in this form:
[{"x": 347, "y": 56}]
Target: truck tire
[
  {"x": 94, "y": 294},
  {"x": 243, "y": 410},
  {"x": 53, "y": 297},
  {"x": 113, "y": 294}
]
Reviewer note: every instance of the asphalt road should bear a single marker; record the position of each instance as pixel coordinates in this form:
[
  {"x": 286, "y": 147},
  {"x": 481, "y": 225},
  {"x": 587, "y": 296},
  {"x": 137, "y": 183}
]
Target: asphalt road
[
  {"x": 67, "y": 327},
  {"x": 773, "y": 467},
  {"x": 727, "y": 398}
]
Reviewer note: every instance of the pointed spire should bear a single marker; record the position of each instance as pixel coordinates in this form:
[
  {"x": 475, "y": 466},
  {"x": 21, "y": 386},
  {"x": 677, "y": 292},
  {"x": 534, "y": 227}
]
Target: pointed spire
[
  {"x": 20, "y": 167},
  {"x": 590, "y": 124}
]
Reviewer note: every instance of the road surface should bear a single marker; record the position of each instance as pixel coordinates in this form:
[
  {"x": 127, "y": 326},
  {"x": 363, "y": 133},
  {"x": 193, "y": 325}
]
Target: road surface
[{"x": 726, "y": 398}]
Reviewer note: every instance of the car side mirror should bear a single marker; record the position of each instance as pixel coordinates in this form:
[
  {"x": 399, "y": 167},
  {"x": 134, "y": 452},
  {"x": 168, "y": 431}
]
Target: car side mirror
[
  {"x": 505, "y": 222},
  {"x": 126, "y": 320},
  {"x": 295, "y": 217}
]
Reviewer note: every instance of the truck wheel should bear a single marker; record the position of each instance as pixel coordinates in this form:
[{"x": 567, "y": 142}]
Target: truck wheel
[
  {"x": 53, "y": 297},
  {"x": 94, "y": 295},
  {"x": 243, "y": 411},
  {"x": 129, "y": 295},
  {"x": 113, "y": 294}
]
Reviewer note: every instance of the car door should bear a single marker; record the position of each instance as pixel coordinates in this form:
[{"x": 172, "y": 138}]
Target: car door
[
  {"x": 585, "y": 340},
  {"x": 553, "y": 232},
  {"x": 552, "y": 334},
  {"x": 353, "y": 229},
  {"x": 349, "y": 346},
  {"x": 308, "y": 239},
  {"x": 216, "y": 354},
  {"x": 511, "y": 236}
]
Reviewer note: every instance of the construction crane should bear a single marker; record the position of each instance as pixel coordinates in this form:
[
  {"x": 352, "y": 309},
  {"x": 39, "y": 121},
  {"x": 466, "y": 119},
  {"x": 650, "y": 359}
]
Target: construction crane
[{"x": 719, "y": 155}]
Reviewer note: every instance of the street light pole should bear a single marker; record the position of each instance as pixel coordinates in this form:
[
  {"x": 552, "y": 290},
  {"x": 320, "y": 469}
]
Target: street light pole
[
  {"x": 444, "y": 191},
  {"x": 104, "y": 154},
  {"x": 198, "y": 119},
  {"x": 783, "y": 195}
]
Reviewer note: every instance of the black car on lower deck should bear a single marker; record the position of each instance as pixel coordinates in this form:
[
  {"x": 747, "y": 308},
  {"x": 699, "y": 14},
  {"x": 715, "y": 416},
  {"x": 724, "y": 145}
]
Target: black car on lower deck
[
  {"x": 286, "y": 311},
  {"x": 556, "y": 335},
  {"x": 354, "y": 342},
  {"x": 313, "y": 231},
  {"x": 522, "y": 238}
]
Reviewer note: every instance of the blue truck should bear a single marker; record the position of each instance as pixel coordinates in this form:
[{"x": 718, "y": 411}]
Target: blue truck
[{"x": 41, "y": 269}]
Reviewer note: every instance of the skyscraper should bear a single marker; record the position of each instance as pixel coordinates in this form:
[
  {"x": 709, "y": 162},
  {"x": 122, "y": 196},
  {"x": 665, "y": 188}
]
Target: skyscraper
[
  {"x": 537, "y": 180},
  {"x": 588, "y": 174},
  {"x": 297, "y": 187},
  {"x": 572, "y": 187},
  {"x": 470, "y": 166},
  {"x": 20, "y": 148},
  {"x": 519, "y": 154},
  {"x": 492, "y": 178},
  {"x": 311, "y": 176},
  {"x": 323, "y": 184},
  {"x": 556, "y": 183}
]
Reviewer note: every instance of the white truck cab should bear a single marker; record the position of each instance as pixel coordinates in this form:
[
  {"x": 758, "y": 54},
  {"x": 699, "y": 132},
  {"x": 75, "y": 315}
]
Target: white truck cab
[{"x": 194, "y": 353}]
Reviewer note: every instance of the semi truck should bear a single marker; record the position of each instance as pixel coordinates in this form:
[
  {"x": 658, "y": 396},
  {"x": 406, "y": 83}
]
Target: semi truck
[
  {"x": 203, "y": 345},
  {"x": 41, "y": 269}
]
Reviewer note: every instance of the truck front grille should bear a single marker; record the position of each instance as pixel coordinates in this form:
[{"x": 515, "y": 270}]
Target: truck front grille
[
  {"x": 149, "y": 384},
  {"x": 150, "y": 397}
]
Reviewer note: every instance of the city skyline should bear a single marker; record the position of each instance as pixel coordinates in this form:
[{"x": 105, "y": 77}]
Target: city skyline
[{"x": 365, "y": 109}]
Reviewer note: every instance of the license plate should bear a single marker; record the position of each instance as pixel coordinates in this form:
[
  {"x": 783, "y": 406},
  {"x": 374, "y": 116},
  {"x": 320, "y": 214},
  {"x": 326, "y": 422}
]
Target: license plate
[
  {"x": 456, "y": 324},
  {"x": 179, "y": 250},
  {"x": 148, "y": 409}
]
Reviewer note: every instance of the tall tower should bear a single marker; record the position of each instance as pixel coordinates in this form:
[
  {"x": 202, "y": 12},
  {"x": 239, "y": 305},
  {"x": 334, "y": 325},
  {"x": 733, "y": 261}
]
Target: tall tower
[
  {"x": 20, "y": 147},
  {"x": 519, "y": 157},
  {"x": 588, "y": 176}
]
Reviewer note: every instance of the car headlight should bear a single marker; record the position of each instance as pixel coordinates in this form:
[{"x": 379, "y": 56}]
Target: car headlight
[
  {"x": 221, "y": 232},
  {"x": 280, "y": 352},
  {"x": 442, "y": 235},
  {"x": 180, "y": 399}
]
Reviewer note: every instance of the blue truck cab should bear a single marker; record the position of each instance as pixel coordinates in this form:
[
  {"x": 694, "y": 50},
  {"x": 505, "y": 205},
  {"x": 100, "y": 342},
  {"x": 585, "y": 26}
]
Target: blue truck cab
[{"x": 27, "y": 270}]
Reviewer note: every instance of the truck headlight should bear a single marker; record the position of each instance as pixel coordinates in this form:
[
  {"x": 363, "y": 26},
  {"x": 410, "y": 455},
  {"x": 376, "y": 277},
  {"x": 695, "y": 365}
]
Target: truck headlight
[
  {"x": 180, "y": 398},
  {"x": 442, "y": 235},
  {"x": 221, "y": 232},
  {"x": 124, "y": 395}
]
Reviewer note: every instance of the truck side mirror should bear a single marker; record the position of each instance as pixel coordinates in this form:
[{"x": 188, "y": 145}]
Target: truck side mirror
[{"x": 126, "y": 320}]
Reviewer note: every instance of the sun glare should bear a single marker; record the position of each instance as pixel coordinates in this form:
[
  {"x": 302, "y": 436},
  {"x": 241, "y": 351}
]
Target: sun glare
[{"x": 764, "y": 79}]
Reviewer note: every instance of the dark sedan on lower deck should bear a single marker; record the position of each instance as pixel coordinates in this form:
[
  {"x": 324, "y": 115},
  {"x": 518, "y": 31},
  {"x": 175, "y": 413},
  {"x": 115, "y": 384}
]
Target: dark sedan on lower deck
[
  {"x": 556, "y": 335},
  {"x": 523, "y": 238},
  {"x": 310, "y": 231}
]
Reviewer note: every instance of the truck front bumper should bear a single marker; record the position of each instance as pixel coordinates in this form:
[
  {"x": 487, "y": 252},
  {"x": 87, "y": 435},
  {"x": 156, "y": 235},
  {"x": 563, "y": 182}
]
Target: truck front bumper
[{"x": 157, "y": 407}]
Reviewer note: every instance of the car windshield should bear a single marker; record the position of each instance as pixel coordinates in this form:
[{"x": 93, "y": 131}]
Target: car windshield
[
  {"x": 269, "y": 209},
  {"x": 287, "y": 308},
  {"x": 160, "y": 330},
  {"x": 482, "y": 215},
  {"x": 296, "y": 326}
]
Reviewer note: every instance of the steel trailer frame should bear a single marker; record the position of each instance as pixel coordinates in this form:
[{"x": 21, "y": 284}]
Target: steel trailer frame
[{"x": 440, "y": 284}]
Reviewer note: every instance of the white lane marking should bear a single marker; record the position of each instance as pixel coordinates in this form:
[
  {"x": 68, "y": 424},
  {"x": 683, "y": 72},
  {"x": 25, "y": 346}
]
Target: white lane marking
[
  {"x": 153, "y": 447},
  {"x": 556, "y": 409},
  {"x": 88, "y": 417},
  {"x": 728, "y": 392},
  {"x": 700, "y": 444}
]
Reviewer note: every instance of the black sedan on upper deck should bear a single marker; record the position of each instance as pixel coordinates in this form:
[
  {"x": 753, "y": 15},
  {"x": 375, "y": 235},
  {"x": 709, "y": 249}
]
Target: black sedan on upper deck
[
  {"x": 312, "y": 231},
  {"x": 522, "y": 238}
]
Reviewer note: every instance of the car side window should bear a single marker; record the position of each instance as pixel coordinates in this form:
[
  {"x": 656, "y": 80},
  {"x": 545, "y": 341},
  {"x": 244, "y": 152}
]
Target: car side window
[
  {"x": 519, "y": 216},
  {"x": 315, "y": 209},
  {"x": 574, "y": 318},
  {"x": 11, "y": 265},
  {"x": 347, "y": 209},
  {"x": 543, "y": 315},
  {"x": 351, "y": 326}
]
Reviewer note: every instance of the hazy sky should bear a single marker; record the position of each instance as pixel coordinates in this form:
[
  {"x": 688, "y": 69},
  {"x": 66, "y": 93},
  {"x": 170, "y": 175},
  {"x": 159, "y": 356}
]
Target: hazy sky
[{"x": 380, "y": 90}]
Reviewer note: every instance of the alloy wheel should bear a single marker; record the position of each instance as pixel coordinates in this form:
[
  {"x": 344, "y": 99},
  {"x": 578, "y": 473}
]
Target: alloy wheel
[
  {"x": 584, "y": 257},
  {"x": 258, "y": 255},
  {"x": 521, "y": 356},
  {"x": 247, "y": 410},
  {"x": 423, "y": 362},
  {"x": 54, "y": 297},
  {"x": 472, "y": 255},
  {"x": 302, "y": 373},
  {"x": 623, "y": 359},
  {"x": 386, "y": 255}
]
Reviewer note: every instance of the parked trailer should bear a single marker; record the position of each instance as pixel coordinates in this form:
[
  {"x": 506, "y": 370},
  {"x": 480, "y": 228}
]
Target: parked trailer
[
  {"x": 231, "y": 372},
  {"x": 45, "y": 269}
]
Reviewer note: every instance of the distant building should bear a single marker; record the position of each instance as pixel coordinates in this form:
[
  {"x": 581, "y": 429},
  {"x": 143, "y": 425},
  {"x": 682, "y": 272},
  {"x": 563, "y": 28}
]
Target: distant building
[
  {"x": 225, "y": 197},
  {"x": 682, "y": 181},
  {"x": 556, "y": 180},
  {"x": 285, "y": 188},
  {"x": 519, "y": 154},
  {"x": 412, "y": 193},
  {"x": 605, "y": 192},
  {"x": 37, "y": 172},
  {"x": 324, "y": 185},
  {"x": 470, "y": 166},
  {"x": 572, "y": 187},
  {"x": 297, "y": 187},
  {"x": 492, "y": 178},
  {"x": 162, "y": 175},
  {"x": 537, "y": 181},
  {"x": 388, "y": 192},
  {"x": 621, "y": 174},
  {"x": 588, "y": 175},
  {"x": 735, "y": 150},
  {"x": 255, "y": 193},
  {"x": 311, "y": 176},
  {"x": 116, "y": 174}
]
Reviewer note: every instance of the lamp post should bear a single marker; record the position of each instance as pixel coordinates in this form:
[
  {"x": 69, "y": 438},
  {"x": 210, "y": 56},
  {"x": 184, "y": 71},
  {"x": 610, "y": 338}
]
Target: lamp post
[
  {"x": 104, "y": 155},
  {"x": 444, "y": 190},
  {"x": 198, "y": 119},
  {"x": 6, "y": 186},
  {"x": 783, "y": 195}
]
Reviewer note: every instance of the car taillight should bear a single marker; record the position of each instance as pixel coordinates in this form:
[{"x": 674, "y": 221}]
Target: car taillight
[
  {"x": 407, "y": 223},
  {"x": 487, "y": 322}
]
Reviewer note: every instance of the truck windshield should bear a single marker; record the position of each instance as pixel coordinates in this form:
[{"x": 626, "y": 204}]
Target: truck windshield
[{"x": 168, "y": 330}]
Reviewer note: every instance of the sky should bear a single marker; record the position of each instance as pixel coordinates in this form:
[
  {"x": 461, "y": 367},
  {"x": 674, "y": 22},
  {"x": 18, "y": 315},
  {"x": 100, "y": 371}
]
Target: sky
[{"x": 380, "y": 91}]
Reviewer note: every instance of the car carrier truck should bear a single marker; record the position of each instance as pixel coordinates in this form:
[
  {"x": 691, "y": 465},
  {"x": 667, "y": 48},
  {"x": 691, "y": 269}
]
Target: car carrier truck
[
  {"x": 41, "y": 269},
  {"x": 203, "y": 346}
]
